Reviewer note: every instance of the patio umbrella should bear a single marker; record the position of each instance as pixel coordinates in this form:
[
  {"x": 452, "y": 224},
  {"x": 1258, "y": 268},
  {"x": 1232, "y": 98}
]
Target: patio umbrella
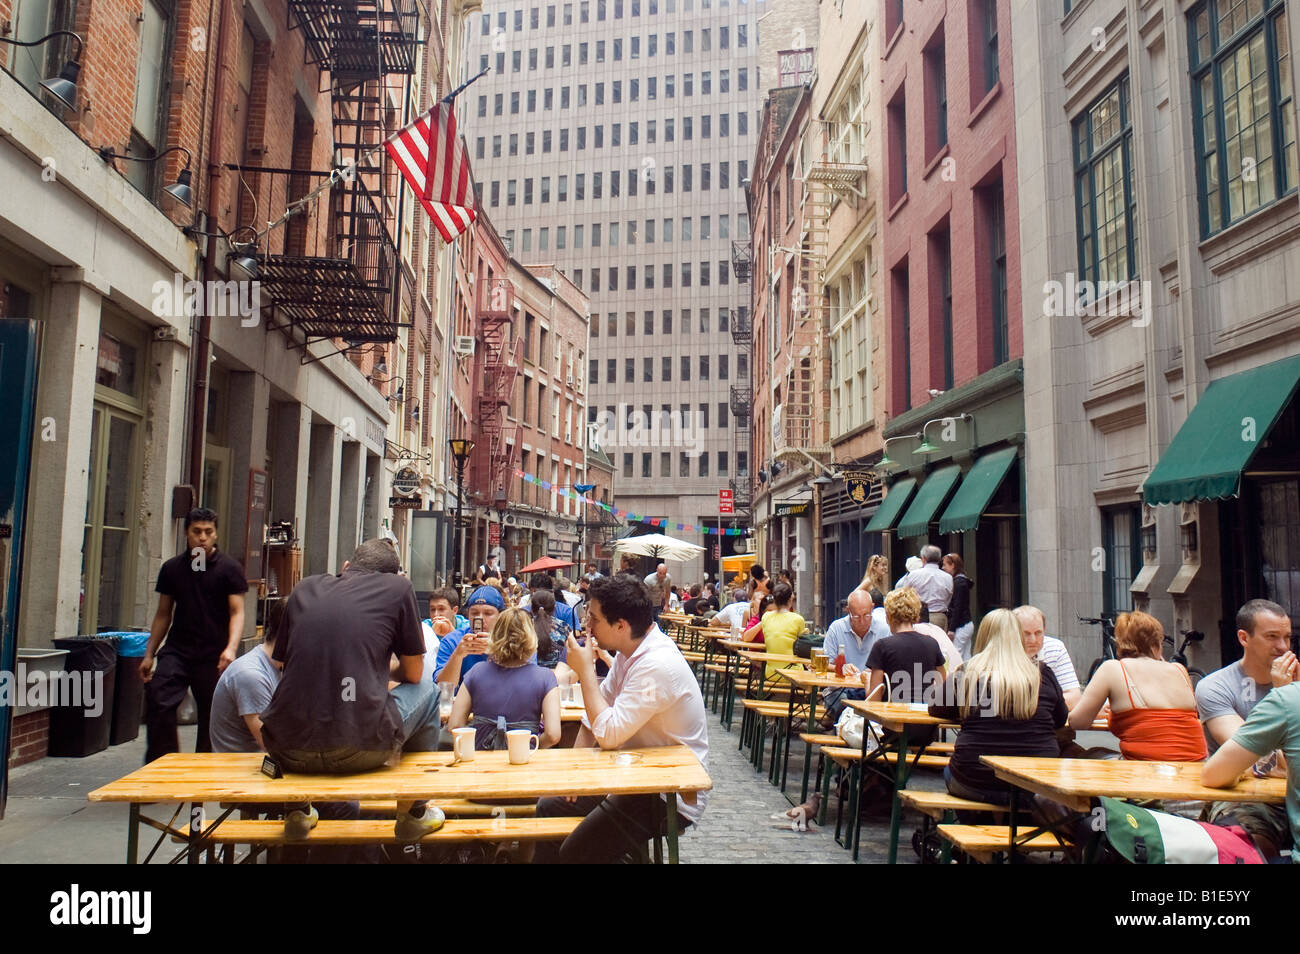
[
  {"x": 658, "y": 546},
  {"x": 543, "y": 565}
]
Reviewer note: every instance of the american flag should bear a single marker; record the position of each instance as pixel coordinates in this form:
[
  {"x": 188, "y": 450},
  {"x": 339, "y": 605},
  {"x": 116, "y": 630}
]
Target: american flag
[{"x": 431, "y": 157}]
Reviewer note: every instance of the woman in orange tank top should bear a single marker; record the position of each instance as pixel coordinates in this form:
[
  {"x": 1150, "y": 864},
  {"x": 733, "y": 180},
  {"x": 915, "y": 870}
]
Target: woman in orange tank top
[{"x": 1152, "y": 705}]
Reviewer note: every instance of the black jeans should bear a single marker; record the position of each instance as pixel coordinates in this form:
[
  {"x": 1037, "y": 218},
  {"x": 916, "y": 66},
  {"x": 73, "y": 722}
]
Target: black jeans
[
  {"x": 164, "y": 694},
  {"x": 612, "y": 826}
]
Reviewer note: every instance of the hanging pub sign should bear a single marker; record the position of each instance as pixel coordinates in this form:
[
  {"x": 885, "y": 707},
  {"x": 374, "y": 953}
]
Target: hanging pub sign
[
  {"x": 406, "y": 482},
  {"x": 860, "y": 485}
]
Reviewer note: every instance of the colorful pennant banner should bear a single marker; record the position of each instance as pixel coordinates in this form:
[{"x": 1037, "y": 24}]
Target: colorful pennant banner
[{"x": 625, "y": 515}]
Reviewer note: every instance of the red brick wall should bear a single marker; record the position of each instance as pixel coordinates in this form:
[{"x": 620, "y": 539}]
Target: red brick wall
[
  {"x": 982, "y": 146},
  {"x": 31, "y": 738}
]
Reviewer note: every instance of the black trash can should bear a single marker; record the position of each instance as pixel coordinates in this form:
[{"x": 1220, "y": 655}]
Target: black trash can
[
  {"x": 76, "y": 731},
  {"x": 128, "y": 688}
]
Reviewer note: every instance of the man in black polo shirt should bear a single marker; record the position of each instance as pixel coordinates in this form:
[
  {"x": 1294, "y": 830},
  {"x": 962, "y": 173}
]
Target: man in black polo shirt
[{"x": 201, "y": 613}]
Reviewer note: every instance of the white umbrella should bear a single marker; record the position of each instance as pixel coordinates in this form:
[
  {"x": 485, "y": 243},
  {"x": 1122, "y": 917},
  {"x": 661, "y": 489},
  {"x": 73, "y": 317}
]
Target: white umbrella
[{"x": 658, "y": 546}]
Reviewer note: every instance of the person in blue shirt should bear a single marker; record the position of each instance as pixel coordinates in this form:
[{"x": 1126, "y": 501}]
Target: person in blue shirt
[
  {"x": 853, "y": 635},
  {"x": 462, "y": 649},
  {"x": 444, "y": 602}
]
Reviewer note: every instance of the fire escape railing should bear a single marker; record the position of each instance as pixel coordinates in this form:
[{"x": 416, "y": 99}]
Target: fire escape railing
[{"x": 329, "y": 271}]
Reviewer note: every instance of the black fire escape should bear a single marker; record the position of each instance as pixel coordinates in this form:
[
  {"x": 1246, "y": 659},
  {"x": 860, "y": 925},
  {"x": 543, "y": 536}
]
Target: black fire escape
[
  {"x": 333, "y": 270},
  {"x": 742, "y": 392}
]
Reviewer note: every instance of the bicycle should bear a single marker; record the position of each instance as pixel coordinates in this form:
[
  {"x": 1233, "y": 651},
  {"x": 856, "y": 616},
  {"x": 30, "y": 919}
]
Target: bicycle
[
  {"x": 1180, "y": 654},
  {"x": 1107, "y": 641}
]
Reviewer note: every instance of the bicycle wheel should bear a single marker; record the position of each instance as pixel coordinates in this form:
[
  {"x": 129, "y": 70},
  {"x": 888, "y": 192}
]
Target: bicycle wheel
[{"x": 1195, "y": 675}]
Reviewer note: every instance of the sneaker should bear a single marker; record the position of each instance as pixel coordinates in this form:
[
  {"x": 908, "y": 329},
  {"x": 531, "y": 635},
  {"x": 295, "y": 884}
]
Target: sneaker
[
  {"x": 414, "y": 827},
  {"x": 298, "y": 823}
]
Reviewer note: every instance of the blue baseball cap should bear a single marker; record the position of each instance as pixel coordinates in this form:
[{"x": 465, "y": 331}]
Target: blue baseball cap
[{"x": 486, "y": 595}]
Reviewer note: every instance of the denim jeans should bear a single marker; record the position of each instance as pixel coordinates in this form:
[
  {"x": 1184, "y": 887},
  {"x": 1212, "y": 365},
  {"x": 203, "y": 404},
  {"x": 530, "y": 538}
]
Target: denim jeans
[{"x": 834, "y": 699}]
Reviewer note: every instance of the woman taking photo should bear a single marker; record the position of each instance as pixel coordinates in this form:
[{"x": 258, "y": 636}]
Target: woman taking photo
[
  {"x": 507, "y": 688},
  {"x": 1007, "y": 705},
  {"x": 1152, "y": 705}
]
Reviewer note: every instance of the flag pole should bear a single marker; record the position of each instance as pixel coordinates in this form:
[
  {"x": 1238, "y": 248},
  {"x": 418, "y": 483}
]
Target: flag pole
[{"x": 298, "y": 205}]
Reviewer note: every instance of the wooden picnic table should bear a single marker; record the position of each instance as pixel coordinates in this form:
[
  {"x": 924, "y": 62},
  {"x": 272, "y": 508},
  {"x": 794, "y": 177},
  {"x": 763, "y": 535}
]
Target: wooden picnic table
[
  {"x": 238, "y": 779},
  {"x": 1076, "y": 782},
  {"x": 811, "y": 681},
  {"x": 900, "y": 718}
]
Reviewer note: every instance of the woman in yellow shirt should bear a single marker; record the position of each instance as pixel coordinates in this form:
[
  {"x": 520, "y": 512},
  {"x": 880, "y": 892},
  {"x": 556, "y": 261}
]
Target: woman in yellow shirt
[{"x": 781, "y": 626}]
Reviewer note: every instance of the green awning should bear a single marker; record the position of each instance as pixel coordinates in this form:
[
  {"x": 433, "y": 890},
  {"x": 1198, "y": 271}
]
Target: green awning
[
  {"x": 977, "y": 489},
  {"x": 899, "y": 493},
  {"x": 928, "y": 500},
  {"x": 1221, "y": 434}
]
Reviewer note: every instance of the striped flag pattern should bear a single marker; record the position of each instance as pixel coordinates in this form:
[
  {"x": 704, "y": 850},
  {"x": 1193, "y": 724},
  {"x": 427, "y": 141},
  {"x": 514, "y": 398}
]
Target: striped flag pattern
[{"x": 432, "y": 159}]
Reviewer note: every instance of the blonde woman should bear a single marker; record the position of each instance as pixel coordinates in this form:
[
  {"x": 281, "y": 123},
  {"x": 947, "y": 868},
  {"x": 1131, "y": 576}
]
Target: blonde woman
[
  {"x": 508, "y": 688},
  {"x": 1007, "y": 705},
  {"x": 877, "y": 575}
]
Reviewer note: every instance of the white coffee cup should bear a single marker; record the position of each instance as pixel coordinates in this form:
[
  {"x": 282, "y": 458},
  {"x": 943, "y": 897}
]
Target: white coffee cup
[
  {"x": 521, "y": 744},
  {"x": 462, "y": 744}
]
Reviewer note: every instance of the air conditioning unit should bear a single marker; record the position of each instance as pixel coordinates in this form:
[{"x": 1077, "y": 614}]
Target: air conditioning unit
[
  {"x": 568, "y": 379},
  {"x": 464, "y": 345}
]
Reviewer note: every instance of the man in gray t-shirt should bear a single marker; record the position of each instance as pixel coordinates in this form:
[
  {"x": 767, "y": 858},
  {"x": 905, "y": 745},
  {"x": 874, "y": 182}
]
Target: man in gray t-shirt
[
  {"x": 243, "y": 692},
  {"x": 1227, "y": 691},
  {"x": 1224, "y": 700}
]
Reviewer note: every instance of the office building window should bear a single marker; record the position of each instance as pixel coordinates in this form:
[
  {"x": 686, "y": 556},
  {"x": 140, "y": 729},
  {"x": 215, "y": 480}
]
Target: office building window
[
  {"x": 1242, "y": 95},
  {"x": 1105, "y": 201}
]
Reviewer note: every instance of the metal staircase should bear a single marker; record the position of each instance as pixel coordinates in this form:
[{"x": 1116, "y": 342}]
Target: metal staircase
[{"x": 500, "y": 367}]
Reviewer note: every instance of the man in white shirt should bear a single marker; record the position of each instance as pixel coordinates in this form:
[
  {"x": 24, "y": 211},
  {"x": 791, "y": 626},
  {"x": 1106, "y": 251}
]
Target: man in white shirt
[
  {"x": 933, "y": 584},
  {"x": 1050, "y": 651},
  {"x": 734, "y": 612},
  {"x": 649, "y": 698}
]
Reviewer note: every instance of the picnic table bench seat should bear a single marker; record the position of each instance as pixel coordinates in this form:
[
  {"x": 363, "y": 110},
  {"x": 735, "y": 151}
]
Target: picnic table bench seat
[
  {"x": 984, "y": 842},
  {"x": 380, "y": 831}
]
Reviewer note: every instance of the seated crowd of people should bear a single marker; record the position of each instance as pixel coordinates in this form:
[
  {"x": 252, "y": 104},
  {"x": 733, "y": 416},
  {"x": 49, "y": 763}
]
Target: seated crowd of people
[
  {"x": 1017, "y": 694},
  {"x": 349, "y": 678}
]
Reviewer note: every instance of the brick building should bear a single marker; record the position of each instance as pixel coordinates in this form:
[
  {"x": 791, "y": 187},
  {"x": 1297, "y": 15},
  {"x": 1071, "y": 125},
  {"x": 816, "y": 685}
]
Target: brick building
[
  {"x": 949, "y": 223},
  {"x": 290, "y": 398}
]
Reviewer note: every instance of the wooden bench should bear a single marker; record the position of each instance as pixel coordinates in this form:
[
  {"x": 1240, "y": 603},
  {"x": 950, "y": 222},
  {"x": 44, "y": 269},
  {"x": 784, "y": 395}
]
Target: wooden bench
[
  {"x": 848, "y": 756},
  {"x": 754, "y": 725},
  {"x": 983, "y": 842},
  {"x": 938, "y": 804},
  {"x": 380, "y": 831},
  {"x": 940, "y": 808},
  {"x": 455, "y": 808}
]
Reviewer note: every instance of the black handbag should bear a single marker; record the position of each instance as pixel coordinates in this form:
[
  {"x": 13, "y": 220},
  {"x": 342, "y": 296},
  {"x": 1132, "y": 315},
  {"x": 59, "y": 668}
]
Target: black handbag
[{"x": 804, "y": 645}]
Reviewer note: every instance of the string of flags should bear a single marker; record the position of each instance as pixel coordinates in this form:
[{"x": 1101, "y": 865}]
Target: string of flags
[{"x": 625, "y": 515}]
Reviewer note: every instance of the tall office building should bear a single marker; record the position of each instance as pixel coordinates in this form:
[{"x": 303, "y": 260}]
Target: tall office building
[{"x": 611, "y": 138}]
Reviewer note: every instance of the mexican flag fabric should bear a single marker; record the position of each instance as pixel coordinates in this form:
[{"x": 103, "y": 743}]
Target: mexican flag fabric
[{"x": 1146, "y": 837}]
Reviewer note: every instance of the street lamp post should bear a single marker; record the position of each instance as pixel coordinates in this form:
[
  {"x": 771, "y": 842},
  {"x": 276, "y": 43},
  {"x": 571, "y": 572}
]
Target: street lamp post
[
  {"x": 460, "y": 451},
  {"x": 501, "y": 504},
  {"x": 583, "y": 489}
]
